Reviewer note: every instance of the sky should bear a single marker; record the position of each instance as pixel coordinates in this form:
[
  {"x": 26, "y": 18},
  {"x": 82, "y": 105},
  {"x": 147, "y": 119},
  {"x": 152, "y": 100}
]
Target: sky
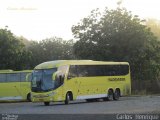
[{"x": 41, "y": 19}]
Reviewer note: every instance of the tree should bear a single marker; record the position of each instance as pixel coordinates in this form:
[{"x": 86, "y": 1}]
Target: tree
[
  {"x": 117, "y": 35},
  {"x": 50, "y": 49},
  {"x": 12, "y": 51}
]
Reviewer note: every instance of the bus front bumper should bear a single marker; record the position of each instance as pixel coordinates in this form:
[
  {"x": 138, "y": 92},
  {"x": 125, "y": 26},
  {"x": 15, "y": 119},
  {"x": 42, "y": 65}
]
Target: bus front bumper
[{"x": 43, "y": 97}]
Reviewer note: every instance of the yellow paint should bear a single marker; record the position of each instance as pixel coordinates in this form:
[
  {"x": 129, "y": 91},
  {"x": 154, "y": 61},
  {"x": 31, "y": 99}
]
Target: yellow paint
[{"x": 14, "y": 90}]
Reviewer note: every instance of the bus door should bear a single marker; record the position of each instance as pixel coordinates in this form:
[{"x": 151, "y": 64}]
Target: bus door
[{"x": 73, "y": 82}]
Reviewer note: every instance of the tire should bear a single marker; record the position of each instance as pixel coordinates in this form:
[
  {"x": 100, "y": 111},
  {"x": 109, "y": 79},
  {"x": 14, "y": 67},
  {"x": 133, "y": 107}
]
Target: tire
[
  {"x": 29, "y": 97},
  {"x": 110, "y": 95},
  {"x": 46, "y": 103},
  {"x": 67, "y": 99},
  {"x": 116, "y": 95}
]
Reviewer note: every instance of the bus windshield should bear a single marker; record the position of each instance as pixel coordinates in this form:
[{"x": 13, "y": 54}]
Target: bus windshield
[{"x": 42, "y": 80}]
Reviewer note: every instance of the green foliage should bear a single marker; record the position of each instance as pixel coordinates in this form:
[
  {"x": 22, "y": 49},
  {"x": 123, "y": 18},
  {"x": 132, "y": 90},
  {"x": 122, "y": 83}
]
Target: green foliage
[
  {"x": 12, "y": 51},
  {"x": 117, "y": 35},
  {"x": 50, "y": 49},
  {"x": 18, "y": 53}
]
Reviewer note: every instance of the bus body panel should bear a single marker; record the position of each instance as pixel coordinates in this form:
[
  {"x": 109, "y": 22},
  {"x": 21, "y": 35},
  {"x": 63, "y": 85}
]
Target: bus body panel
[{"x": 10, "y": 91}]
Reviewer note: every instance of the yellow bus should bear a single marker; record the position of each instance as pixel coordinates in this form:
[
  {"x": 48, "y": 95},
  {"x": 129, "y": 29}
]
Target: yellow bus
[
  {"x": 13, "y": 85},
  {"x": 67, "y": 80}
]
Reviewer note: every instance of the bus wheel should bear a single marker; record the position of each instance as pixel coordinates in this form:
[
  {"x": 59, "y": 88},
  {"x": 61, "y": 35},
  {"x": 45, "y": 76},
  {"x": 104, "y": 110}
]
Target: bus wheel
[
  {"x": 29, "y": 97},
  {"x": 46, "y": 103},
  {"x": 116, "y": 94},
  {"x": 67, "y": 98},
  {"x": 110, "y": 95}
]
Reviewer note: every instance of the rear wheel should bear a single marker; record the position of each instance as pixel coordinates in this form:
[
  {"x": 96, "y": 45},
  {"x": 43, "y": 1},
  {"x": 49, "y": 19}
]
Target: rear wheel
[
  {"x": 116, "y": 94},
  {"x": 110, "y": 95},
  {"x": 46, "y": 103}
]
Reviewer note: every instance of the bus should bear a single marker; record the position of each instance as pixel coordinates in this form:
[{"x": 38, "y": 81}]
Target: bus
[
  {"x": 14, "y": 85},
  {"x": 68, "y": 80}
]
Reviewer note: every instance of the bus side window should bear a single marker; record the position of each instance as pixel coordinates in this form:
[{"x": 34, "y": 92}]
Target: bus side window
[
  {"x": 13, "y": 77},
  {"x": 23, "y": 77},
  {"x": 3, "y": 77},
  {"x": 72, "y": 72},
  {"x": 124, "y": 69},
  {"x": 84, "y": 70}
]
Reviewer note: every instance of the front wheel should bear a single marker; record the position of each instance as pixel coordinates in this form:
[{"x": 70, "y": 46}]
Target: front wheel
[
  {"x": 46, "y": 103},
  {"x": 67, "y": 99},
  {"x": 29, "y": 97}
]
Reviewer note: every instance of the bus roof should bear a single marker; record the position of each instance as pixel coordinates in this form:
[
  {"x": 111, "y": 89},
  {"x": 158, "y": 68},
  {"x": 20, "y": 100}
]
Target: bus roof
[
  {"x": 56, "y": 63},
  {"x": 8, "y": 70},
  {"x": 12, "y": 71}
]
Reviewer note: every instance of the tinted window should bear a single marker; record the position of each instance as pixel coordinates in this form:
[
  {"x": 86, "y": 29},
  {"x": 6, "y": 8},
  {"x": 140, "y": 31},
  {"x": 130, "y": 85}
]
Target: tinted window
[
  {"x": 2, "y": 77},
  {"x": 43, "y": 81},
  {"x": 72, "y": 71},
  {"x": 13, "y": 77},
  {"x": 23, "y": 77},
  {"x": 102, "y": 70},
  {"x": 84, "y": 70},
  {"x": 29, "y": 77}
]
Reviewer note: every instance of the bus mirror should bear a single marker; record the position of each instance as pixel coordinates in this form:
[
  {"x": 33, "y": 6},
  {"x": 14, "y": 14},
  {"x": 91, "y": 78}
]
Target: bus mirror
[
  {"x": 58, "y": 77},
  {"x": 61, "y": 78},
  {"x": 28, "y": 77},
  {"x": 54, "y": 76}
]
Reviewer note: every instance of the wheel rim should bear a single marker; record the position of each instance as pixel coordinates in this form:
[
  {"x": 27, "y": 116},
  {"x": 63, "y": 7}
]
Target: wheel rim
[
  {"x": 116, "y": 95},
  {"x": 67, "y": 99},
  {"x": 110, "y": 95}
]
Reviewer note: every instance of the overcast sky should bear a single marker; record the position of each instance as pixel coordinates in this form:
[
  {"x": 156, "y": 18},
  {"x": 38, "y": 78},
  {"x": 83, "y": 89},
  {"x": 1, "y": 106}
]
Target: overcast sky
[{"x": 40, "y": 19}]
